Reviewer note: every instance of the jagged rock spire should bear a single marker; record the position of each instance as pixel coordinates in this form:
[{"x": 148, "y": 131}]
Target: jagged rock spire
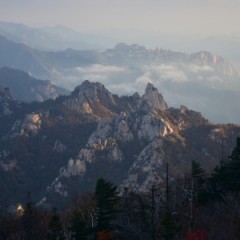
[{"x": 154, "y": 98}]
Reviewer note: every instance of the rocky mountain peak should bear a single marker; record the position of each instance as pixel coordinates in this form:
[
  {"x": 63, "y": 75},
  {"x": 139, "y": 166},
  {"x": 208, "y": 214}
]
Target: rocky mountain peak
[
  {"x": 93, "y": 91},
  {"x": 153, "y": 98},
  {"x": 93, "y": 99}
]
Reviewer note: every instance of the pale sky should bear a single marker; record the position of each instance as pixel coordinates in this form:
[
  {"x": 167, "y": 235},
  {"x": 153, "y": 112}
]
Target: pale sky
[{"x": 165, "y": 16}]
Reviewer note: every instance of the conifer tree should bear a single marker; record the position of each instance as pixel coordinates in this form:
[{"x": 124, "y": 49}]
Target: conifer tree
[
  {"x": 168, "y": 226},
  {"x": 106, "y": 204},
  {"x": 198, "y": 180},
  {"x": 226, "y": 176},
  {"x": 196, "y": 190}
]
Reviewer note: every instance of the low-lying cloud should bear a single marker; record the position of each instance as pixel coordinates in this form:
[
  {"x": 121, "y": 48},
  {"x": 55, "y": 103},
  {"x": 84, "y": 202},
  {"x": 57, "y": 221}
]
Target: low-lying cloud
[
  {"x": 99, "y": 68},
  {"x": 167, "y": 72},
  {"x": 200, "y": 69}
]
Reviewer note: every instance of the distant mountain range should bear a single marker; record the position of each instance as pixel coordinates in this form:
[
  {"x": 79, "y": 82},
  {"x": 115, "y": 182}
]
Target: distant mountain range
[
  {"x": 57, "y": 149},
  {"x": 203, "y": 81},
  {"x": 49, "y": 38},
  {"x": 60, "y": 37}
]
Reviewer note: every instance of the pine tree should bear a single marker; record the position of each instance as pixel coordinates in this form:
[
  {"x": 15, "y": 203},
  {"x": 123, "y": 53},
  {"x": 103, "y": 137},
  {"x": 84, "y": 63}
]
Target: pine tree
[
  {"x": 106, "y": 204},
  {"x": 198, "y": 180},
  {"x": 196, "y": 190},
  {"x": 168, "y": 227},
  {"x": 226, "y": 176}
]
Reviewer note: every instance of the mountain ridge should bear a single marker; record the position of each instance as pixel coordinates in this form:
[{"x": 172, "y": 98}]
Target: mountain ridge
[
  {"x": 202, "y": 81},
  {"x": 26, "y": 88},
  {"x": 53, "y": 38},
  {"x": 60, "y": 149}
]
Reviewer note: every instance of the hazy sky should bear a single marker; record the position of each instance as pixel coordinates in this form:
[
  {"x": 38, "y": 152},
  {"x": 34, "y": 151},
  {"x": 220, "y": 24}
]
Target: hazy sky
[{"x": 165, "y": 16}]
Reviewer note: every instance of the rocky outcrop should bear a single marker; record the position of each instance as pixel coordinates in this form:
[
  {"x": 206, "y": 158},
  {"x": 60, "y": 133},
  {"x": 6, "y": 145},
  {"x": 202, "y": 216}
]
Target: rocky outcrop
[
  {"x": 184, "y": 118},
  {"x": 30, "y": 125},
  {"x": 122, "y": 129},
  {"x": 93, "y": 92},
  {"x": 74, "y": 168},
  {"x": 93, "y": 99},
  {"x": 153, "y": 98},
  {"x": 148, "y": 169}
]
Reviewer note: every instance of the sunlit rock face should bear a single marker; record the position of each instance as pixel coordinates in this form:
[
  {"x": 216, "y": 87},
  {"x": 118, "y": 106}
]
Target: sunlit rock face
[
  {"x": 93, "y": 99},
  {"x": 31, "y": 124},
  {"x": 122, "y": 129},
  {"x": 93, "y": 92},
  {"x": 154, "y": 98}
]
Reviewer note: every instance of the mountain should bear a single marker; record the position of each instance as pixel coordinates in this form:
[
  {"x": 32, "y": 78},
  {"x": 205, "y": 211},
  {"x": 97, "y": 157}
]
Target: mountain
[
  {"x": 123, "y": 53},
  {"x": 41, "y": 64},
  {"x": 26, "y": 88},
  {"x": 57, "y": 149},
  {"x": 203, "y": 81},
  {"x": 20, "y": 56},
  {"x": 54, "y": 38}
]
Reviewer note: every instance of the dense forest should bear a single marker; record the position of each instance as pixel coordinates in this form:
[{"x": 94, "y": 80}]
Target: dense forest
[{"x": 199, "y": 206}]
